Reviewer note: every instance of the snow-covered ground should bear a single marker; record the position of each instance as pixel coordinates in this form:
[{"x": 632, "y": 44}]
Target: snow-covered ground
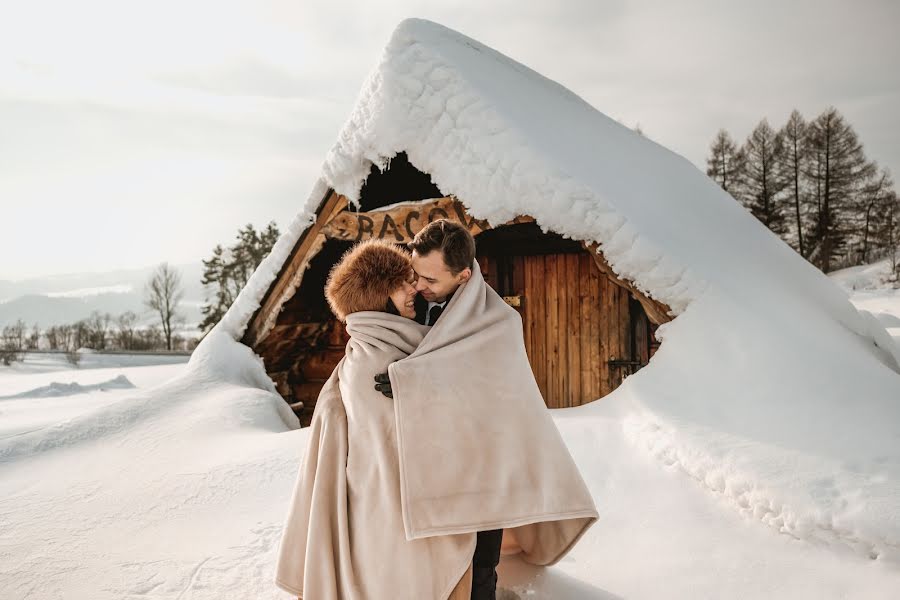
[
  {"x": 756, "y": 456},
  {"x": 177, "y": 488},
  {"x": 869, "y": 288}
]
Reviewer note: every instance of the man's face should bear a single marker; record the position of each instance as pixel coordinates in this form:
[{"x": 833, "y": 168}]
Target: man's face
[{"x": 435, "y": 281}]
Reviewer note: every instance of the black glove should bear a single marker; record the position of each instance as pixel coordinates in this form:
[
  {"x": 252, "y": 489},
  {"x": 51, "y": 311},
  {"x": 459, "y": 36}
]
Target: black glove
[{"x": 383, "y": 385}]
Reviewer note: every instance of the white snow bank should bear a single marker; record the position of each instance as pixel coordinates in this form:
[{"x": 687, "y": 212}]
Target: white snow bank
[
  {"x": 175, "y": 491},
  {"x": 181, "y": 492},
  {"x": 873, "y": 293},
  {"x": 802, "y": 434},
  {"x": 873, "y": 277},
  {"x": 228, "y": 363},
  {"x": 57, "y": 388}
]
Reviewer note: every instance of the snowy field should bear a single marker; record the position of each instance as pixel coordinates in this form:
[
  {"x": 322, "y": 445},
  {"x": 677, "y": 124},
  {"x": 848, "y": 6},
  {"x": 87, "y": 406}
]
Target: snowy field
[
  {"x": 868, "y": 289},
  {"x": 140, "y": 477}
]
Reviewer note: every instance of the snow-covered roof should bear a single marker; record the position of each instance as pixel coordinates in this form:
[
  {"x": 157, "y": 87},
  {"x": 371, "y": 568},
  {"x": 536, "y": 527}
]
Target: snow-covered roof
[
  {"x": 508, "y": 141},
  {"x": 770, "y": 388}
]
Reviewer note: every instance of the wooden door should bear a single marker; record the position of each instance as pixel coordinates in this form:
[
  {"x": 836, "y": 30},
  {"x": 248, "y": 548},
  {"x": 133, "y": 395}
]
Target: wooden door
[{"x": 583, "y": 333}]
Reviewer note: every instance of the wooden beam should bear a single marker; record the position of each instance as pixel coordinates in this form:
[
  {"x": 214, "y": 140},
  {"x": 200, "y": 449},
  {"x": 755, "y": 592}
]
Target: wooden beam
[
  {"x": 401, "y": 222},
  {"x": 657, "y": 311},
  {"x": 291, "y": 272}
]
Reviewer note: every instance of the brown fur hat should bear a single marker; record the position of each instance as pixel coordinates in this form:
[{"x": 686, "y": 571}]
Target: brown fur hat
[{"x": 365, "y": 276}]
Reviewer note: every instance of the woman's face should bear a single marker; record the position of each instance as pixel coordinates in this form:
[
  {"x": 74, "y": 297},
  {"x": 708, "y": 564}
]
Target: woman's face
[{"x": 404, "y": 297}]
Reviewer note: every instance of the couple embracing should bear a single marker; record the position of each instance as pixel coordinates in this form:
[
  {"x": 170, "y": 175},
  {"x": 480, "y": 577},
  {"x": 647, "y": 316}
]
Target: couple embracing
[{"x": 430, "y": 445}]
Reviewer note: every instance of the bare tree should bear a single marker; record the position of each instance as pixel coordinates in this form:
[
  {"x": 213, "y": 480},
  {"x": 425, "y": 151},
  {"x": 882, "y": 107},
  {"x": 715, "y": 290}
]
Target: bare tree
[
  {"x": 125, "y": 330},
  {"x": 98, "y": 329},
  {"x": 13, "y": 343},
  {"x": 52, "y": 335},
  {"x": 81, "y": 335},
  {"x": 34, "y": 338},
  {"x": 162, "y": 294},
  {"x": 60, "y": 337},
  {"x": 149, "y": 338}
]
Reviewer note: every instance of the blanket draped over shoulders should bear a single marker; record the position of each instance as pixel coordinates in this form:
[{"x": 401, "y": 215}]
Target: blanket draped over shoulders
[
  {"x": 343, "y": 536},
  {"x": 390, "y": 492},
  {"x": 478, "y": 447}
]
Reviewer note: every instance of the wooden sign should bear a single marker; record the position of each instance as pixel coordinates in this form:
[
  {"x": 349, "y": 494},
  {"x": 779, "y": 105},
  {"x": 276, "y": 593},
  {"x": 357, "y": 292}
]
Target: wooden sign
[{"x": 402, "y": 221}]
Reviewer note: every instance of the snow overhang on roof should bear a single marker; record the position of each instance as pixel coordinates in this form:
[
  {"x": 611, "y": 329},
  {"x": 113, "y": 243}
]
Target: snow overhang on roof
[{"x": 507, "y": 141}]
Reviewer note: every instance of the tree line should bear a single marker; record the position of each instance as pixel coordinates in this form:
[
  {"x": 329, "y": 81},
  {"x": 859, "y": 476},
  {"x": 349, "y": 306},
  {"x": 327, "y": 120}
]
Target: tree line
[
  {"x": 811, "y": 184},
  {"x": 99, "y": 331},
  {"x": 103, "y": 331},
  {"x": 225, "y": 273}
]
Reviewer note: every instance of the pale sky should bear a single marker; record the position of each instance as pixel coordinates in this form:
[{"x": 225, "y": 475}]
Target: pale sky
[{"x": 133, "y": 133}]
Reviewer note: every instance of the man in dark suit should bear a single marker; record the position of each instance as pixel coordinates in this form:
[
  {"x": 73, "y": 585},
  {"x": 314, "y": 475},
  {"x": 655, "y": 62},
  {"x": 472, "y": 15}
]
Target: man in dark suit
[
  {"x": 429, "y": 311},
  {"x": 443, "y": 254}
]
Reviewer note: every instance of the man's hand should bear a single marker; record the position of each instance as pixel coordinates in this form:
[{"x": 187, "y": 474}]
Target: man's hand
[{"x": 383, "y": 385}]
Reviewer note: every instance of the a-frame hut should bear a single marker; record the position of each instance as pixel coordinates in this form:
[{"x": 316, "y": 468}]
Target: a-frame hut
[
  {"x": 585, "y": 328},
  {"x": 593, "y": 232}
]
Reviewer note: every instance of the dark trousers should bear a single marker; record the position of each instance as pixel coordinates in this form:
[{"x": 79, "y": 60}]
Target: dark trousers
[{"x": 484, "y": 564}]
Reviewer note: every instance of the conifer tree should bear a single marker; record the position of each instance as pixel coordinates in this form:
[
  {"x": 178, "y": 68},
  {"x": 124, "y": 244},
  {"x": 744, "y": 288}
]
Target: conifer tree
[
  {"x": 838, "y": 171},
  {"x": 226, "y": 273},
  {"x": 763, "y": 181},
  {"x": 796, "y": 156},
  {"x": 725, "y": 162}
]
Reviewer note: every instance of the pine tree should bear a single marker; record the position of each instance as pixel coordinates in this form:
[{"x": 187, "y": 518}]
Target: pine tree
[
  {"x": 228, "y": 271},
  {"x": 725, "y": 162},
  {"x": 763, "y": 181},
  {"x": 213, "y": 270},
  {"x": 269, "y": 236}
]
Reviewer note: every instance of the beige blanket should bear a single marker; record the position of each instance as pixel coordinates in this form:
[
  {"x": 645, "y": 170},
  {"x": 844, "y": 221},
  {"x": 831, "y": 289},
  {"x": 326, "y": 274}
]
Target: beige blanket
[
  {"x": 478, "y": 447},
  {"x": 390, "y": 492},
  {"x": 343, "y": 537}
]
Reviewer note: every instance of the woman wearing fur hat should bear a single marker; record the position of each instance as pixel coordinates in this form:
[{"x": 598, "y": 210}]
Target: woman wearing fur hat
[{"x": 344, "y": 537}]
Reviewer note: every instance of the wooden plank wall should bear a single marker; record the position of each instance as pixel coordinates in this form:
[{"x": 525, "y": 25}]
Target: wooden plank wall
[{"x": 575, "y": 320}]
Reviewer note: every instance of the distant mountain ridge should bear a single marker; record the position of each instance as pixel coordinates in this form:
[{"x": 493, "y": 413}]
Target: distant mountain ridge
[{"x": 66, "y": 298}]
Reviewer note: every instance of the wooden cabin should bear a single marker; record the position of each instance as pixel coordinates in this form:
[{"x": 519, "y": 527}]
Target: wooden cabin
[{"x": 585, "y": 328}]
